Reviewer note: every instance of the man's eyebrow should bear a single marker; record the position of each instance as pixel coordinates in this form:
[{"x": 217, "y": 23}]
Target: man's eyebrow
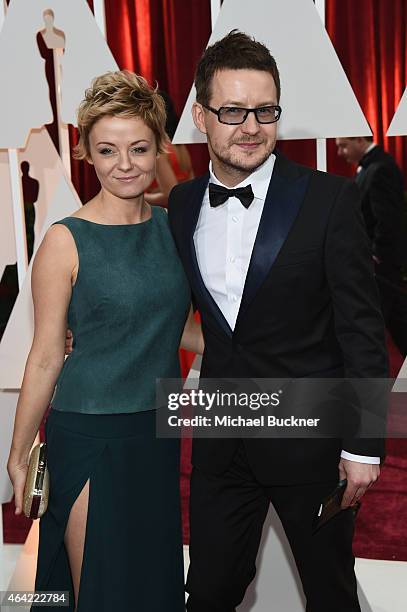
[{"x": 241, "y": 105}]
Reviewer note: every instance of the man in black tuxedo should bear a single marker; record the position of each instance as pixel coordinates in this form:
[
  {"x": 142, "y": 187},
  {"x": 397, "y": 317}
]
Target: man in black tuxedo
[
  {"x": 281, "y": 272},
  {"x": 383, "y": 207}
]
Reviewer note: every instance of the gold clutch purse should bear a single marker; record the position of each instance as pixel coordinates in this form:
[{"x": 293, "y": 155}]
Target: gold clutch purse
[{"x": 36, "y": 490}]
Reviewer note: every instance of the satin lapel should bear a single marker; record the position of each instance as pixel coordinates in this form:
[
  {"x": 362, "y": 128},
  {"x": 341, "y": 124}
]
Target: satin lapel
[
  {"x": 191, "y": 263},
  {"x": 283, "y": 201}
]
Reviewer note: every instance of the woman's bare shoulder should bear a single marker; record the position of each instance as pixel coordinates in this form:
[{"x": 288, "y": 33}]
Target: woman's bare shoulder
[{"x": 59, "y": 245}]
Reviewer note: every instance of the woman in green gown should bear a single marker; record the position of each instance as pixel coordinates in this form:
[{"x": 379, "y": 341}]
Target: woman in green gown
[{"x": 112, "y": 533}]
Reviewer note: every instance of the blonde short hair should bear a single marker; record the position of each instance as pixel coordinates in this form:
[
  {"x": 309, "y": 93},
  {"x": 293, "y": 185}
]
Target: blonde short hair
[{"x": 120, "y": 94}]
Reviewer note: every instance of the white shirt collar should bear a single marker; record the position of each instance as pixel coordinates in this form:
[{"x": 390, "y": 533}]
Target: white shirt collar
[
  {"x": 259, "y": 179},
  {"x": 370, "y": 147}
]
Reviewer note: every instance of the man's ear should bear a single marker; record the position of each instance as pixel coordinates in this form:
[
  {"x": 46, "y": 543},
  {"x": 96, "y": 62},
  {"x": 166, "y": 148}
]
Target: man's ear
[{"x": 198, "y": 115}]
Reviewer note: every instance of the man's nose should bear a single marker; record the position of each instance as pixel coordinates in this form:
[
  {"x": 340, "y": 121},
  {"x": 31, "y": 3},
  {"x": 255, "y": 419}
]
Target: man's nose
[{"x": 251, "y": 125}]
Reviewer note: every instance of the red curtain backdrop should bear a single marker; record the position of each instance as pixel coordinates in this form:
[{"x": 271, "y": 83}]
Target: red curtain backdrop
[{"x": 370, "y": 39}]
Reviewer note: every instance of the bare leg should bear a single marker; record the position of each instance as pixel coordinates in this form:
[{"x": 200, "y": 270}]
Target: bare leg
[{"x": 75, "y": 537}]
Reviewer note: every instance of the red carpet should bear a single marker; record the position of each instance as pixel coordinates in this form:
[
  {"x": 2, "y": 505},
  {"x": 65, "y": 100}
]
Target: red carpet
[
  {"x": 15, "y": 528},
  {"x": 381, "y": 531}
]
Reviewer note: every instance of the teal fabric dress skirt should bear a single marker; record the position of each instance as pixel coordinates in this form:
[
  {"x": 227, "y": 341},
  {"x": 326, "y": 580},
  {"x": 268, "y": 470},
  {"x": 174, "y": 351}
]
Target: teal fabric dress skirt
[{"x": 133, "y": 556}]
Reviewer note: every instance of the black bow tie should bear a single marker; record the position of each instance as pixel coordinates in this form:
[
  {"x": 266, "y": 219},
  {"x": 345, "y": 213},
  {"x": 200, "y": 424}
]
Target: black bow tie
[{"x": 218, "y": 195}]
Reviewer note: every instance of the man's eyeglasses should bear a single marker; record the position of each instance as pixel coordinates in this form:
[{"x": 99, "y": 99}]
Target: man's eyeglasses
[{"x": 234, "y": 115}]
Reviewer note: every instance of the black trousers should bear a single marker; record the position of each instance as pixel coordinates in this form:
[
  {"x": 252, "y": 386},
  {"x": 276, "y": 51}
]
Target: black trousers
[{"x": 227, "y": 513}]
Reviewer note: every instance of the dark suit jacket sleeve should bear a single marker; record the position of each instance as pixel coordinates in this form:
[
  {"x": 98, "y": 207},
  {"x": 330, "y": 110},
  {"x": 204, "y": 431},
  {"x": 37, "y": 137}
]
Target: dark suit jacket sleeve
[
  {"x": 386, "y": 202},
  {"x": 171, "y": 209},
  {"x": 358, "y": 319},
  {"x": 175, "y": 220}
]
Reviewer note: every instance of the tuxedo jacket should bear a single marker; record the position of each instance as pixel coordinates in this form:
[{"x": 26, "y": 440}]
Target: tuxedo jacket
[
  {"x": 383, "y": 206},
  {"x": 309, "y": 308}
]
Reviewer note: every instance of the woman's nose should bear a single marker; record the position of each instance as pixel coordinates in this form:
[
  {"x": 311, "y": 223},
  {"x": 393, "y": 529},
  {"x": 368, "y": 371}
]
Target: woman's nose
[{"x": 124, "y": 162}]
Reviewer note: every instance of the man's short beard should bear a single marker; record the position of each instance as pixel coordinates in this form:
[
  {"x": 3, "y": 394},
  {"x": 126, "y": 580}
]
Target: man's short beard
[{"x": 229, "y": 164}]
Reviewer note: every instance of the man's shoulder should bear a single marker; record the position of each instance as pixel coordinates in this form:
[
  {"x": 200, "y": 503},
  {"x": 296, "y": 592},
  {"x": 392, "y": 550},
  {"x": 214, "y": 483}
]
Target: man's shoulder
[
  {"x": 186, "y": 187},
  {"x": 383, "y": 171},
  {"x": 327, "y": 191},
  {"x": 333, "y": 180},
  {"x": 388, "y": 164},
  {"x": 379, "y": 158},
  {"x": 184, "y": 193},
  {"x": 319, "y": 177},
  {"x": 324, "y": 188}
]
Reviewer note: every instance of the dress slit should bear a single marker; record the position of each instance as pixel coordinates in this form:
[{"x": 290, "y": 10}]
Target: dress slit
[
  {"x": 57, "y": 576},
  {"x": 79, "y": 524}
]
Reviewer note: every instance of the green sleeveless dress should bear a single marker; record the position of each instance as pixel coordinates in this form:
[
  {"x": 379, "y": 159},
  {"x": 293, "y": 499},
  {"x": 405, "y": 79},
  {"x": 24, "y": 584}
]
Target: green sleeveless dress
[{"x": 127, "y": 312}]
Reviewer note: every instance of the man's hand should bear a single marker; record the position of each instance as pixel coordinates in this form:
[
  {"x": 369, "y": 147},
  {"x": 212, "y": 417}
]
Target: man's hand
[
  {"x": 360, "y": 477},
  {"x": 68, "y": 342}
]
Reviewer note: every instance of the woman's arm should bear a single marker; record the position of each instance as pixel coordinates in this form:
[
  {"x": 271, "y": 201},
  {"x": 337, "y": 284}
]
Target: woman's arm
[
  {"x": 192, "y": 338},
  {"x": 54, "y": 270}
]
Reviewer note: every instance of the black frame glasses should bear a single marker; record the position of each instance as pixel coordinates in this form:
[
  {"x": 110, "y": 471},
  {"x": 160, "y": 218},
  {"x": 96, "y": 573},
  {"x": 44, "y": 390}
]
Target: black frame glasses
[{"x": 220, "y": 113}]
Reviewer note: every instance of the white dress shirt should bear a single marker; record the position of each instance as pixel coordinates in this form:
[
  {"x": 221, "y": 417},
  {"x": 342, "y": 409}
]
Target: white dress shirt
[{"x": 224, "y": 238}]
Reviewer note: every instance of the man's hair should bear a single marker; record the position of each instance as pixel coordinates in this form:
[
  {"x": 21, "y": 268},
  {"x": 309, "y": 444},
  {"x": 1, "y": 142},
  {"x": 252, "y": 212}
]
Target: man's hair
[
  {"x": 120, "y": 94},
  {"x": 367, "y": 138},
  {"x": 235, "y": 51}
]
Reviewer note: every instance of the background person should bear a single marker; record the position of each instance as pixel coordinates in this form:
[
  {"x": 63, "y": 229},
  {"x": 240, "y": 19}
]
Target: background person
[
  {"x": 385, "y": 213},
  {"x": 173, "y": 165}
]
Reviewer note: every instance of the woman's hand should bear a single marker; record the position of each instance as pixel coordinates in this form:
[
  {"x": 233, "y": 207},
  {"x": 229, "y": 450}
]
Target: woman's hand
[
  {"x": 68, "y": 342},
  {"x": 17, "y": 470},
  {"x": 192, "y": 338}
]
